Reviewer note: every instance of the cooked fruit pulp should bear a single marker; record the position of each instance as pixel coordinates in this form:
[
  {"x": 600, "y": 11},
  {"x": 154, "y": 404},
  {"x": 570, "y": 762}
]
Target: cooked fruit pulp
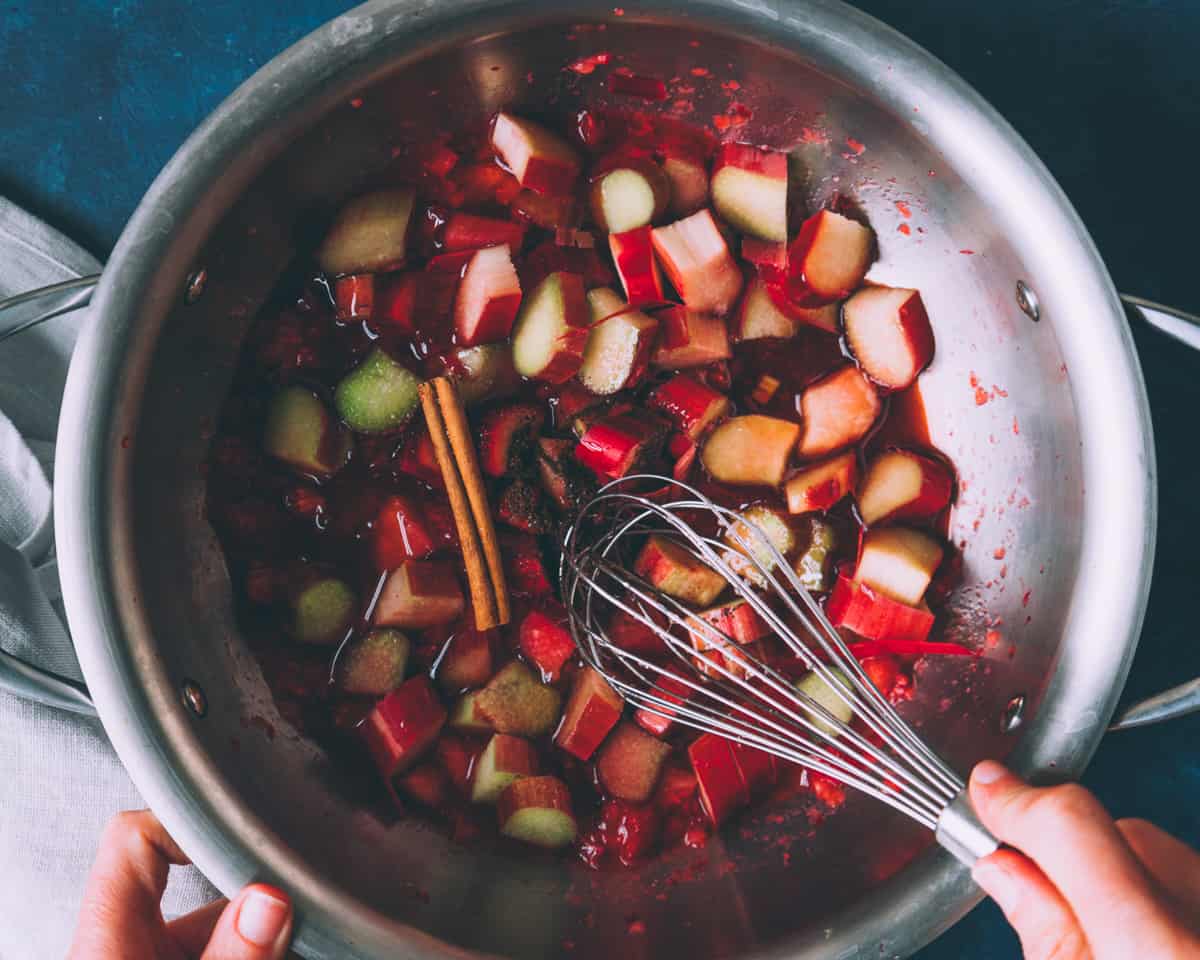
[{"x": 284, "y": 529}]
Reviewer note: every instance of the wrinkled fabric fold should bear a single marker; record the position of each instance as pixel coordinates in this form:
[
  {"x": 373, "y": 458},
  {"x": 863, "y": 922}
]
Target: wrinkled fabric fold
[{"x": 60, "y": 778}]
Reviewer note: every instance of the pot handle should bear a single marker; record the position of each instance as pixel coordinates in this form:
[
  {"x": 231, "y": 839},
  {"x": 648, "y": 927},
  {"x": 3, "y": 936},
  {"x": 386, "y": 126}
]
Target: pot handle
[
  {"x": 17, "y": 676},
  {"x": 1185, "y": 698}
]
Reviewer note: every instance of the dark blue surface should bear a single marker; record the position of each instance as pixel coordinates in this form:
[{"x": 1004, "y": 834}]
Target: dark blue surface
[{"x": 97, "y": 94}]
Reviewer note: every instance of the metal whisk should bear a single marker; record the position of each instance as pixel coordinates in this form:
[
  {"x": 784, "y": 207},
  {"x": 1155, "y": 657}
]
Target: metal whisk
[{"x": 729, "y": 691}]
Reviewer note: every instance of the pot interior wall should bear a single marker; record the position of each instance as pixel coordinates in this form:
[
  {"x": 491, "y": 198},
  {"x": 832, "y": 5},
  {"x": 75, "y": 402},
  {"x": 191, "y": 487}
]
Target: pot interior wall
[{"x": 999, "y": 405}]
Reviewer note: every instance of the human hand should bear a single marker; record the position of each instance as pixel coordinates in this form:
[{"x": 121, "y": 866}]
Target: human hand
[
  {"x": 121, "y": 916},
  {"x": 1078, "y": 886}
]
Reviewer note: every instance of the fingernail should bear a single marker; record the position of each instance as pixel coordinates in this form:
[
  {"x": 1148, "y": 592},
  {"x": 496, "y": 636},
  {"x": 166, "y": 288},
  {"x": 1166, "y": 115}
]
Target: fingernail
[
  {"x": 988, "y": 771},
  {"x": 998, "y": 883},
  {"x": 262, "y": 916}
]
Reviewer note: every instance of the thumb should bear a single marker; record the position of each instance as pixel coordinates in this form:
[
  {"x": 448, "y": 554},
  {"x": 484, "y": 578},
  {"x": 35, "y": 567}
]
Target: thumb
[{"x": 257, "y": 925}]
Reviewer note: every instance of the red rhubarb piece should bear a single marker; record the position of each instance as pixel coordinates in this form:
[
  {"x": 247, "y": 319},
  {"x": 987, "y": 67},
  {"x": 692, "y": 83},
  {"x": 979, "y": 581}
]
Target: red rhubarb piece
[
  {"x": 489, "y": 296},
  {"x": 592, "y": 711},
  {"x": 466, "y": 231},
  {"x": 889, "y": 334},
  {"x": 901, "y": 483},
  {"x": 722, "y": 789},
  {"x": 695, "y": 257},
  {"x": 546, "y": 642},
  {"x": 402, "y": 725},
  {"x": 421, "y": 593},
  {"x": 828, "y": 259}
]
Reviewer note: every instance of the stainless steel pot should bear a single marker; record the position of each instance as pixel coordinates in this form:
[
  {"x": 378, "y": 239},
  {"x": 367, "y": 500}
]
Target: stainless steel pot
[{"x": 1035, "y": 393}]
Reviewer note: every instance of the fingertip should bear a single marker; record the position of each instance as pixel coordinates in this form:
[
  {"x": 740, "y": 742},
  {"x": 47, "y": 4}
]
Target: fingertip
[
  {"x": 988, "y": 779},
  {"x": 264, "y": 915}
]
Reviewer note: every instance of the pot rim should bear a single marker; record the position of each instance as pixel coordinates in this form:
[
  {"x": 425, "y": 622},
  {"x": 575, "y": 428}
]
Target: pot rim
[{"x": 141, "y": 713}]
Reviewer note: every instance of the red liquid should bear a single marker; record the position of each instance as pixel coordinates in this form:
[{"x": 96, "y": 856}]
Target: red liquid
[{"x": 278, "y": 528}]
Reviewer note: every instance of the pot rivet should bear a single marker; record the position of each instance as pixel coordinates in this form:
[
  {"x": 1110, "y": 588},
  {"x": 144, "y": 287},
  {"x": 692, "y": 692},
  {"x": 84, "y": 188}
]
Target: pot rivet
[
  {"x": 194, "y": 698},
  {"x": 1028, "y": 302},
  {"x": 1014, "y": 713},
  {"x": 195, "y": 285}
]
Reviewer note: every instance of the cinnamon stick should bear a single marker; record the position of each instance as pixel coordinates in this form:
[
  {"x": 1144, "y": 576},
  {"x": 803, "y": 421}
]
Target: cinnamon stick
[{"x": 478, "y": 579}]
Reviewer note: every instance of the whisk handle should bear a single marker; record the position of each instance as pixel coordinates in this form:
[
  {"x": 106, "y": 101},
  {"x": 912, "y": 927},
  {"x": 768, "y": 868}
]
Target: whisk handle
[{"x": 960, "y": 832}]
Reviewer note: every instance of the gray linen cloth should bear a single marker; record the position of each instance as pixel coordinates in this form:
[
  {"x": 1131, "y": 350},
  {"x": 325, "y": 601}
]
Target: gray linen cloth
[{"x": 60, "y": 780}]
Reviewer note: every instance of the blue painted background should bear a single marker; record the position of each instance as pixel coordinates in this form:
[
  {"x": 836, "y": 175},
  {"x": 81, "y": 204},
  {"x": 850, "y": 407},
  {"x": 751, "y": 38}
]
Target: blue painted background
[{"x": 95, "y": 96}]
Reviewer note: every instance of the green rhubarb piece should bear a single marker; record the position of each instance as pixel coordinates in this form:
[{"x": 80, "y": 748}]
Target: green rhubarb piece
[
  {"x": 301, "y": 432},
  {"x": 369, "y": 234},
  {"x": 515, "y": 701},
  {"x": 815, "y": 687},
  {"x": 812, "y": 565},
  {"x": 484, "y": 372},
  {"x": 466, "y": 717},
  {"x": 374, "y": 665},
  {"x": 378, "y": 395},
  {"x": 323, "y": 611}
]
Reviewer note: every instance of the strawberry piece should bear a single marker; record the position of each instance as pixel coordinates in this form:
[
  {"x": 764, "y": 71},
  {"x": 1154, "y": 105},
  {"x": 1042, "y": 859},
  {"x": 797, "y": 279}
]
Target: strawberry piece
[
  {"x": 630, "y": 633},
  {"x": 523, "y": 507},
  {"x": 488, "y": 298},
  {"x": 506, "y": 439},
  {"x": 546, "y": 642},
  {"x": 672, "y": 690},
  {"x": 466, "y": 231},
  {"x": 561, "y": 476},
  {"x": 398, "y": 297},
  {"x": 523, "y": 566},
  {"x": 418, "y": 459}
]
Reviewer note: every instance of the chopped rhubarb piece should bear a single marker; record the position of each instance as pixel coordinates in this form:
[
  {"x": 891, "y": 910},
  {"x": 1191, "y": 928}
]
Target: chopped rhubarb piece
[
  {"x": 615, "y": 445},
  {"x": 629, "y": 763},
  {"x": 552, "y": 329},
  {"x": 373, "y": 665},
  {"x": 427, "y": 784},
  {"x": 633, "y": 256},
  {"x": 515, "y": 701},
  {"x": 629, "y": 195},
  {"x": 901, "y": 483},
  {"x": 524, "y": 568},
  {"x": 536, "y": 157},
  {"x": 757, "y": 767},
  {"x": 301, "y": 432},
  {"x": 467, "y": 717},
  {"x": 421, "y": 593},
  {"x": 764, "y": 253},
  {"x": 562, "y": 477},
  {"x": 690, "y": 339},
  {"x": 827, "y": 317},
  {"x": 323, "y": 611},
  {"x": 627, "y": 830},
  {"x": 537, "y": 810},
  {"x": 369, "y": 234},
  {"x": 898, "y": 562},
  {"x": 354, "y": 296},
  {"x": 669, "y": 567},
  {"x": 874, "y": 615},
  {"x": 618, "y": 346},
  {"x": 546, "y": 642},
  {"x": 828, "y": 259},
  {"x": 838, "y": 410},
  {"x": 635, "y": 85},
  {"x": 488, "y": 298},
  {"x": 722, "y": 789},
  {"x": 402, "y": 725},
  {"x": 759, "y": 521},
  {"x": 450, "y": 263},
  {"x": 821, "y": 485},
  {"x": 507, "y": 439},
  {"x": 765, "y": 389},
  {"x": 466, "y": 660},
  {"x": 816, "y": 688},
  {"x": 758, "y": 317},
  {"x": 524, "y": 507},
  {"x": 691, "y": 405},
  {"x": 593, "y": 709},
  {"x": 888, "y": 332},
  {"x": 669, "y": 689},
  {"x": 551, "y": 213},
  {"x": 401, "y": 532},
  {"x": 750, "y": 450},
  {"x": 377, "y": 396},
  {"x": 465, "y": 231},
  {"x": 457, "y": 759},
  {"x": 736, "y": 620},
  {"x": 482, "y": 373},
  {"x": 689, "y": 183},
  {"x": 695, "y": 256},
  {"x": 504, "y": 760},
  {"x": 749, "y": 190}
]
